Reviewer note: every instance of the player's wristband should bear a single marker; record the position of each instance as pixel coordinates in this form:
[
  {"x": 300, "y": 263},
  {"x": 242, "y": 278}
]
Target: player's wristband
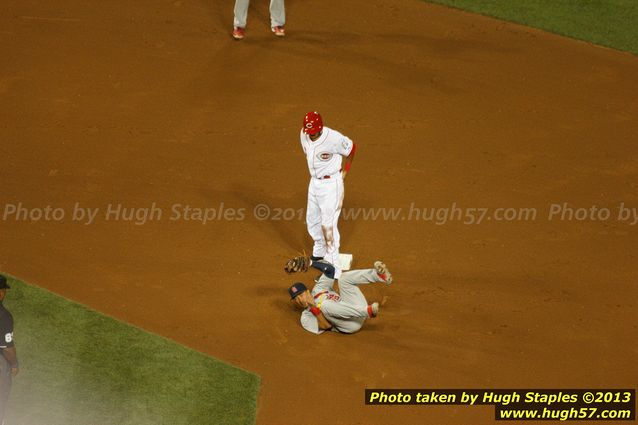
[
  {"x": 314, "y": 310},
  {"x": 346, "y": 167}
]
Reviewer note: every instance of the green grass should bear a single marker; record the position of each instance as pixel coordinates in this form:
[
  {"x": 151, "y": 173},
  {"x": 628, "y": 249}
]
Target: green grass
[
  {"x": 81, "y": 367},
  {"x": 611, "y": 23}
]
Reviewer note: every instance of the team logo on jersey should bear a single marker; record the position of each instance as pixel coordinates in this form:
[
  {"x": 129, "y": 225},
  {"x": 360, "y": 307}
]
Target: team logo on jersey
[
  {"x": 324, "y": 156},
  {"x": 333, "y": 297}
]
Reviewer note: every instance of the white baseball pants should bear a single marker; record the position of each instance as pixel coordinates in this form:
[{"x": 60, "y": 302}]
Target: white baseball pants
[
  {"x": 277, "y": 13},
  {"x": 325, "y": 199}
]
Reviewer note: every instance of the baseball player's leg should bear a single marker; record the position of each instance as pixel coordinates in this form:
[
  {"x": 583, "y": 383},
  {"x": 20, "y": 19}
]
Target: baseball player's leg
[
  {"x": 313, "y": 223},
  {"x": 5, "y": 385},
  {"x": 349, "y": 314},
  {"x": 350, "y": 326},
  {"x": 330, "y": 211},
  {"x": 344, "y": 310},
  {"x": 336, "y": 236},
  {"x": 346, "y": 317},
  {"x": 324, "y": 283},
  {"x": 349, "y": 281},
  {"x": 348, "y": 289},
  {"x": 336, "y": 239},
  {"x": 277, "y": 13},
  {"x": 361, "y": 277},
  {"x": 241, "y": 13}
]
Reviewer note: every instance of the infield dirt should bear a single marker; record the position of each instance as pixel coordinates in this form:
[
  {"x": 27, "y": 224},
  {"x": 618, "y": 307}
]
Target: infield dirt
[{"x": 145, "y": 102}]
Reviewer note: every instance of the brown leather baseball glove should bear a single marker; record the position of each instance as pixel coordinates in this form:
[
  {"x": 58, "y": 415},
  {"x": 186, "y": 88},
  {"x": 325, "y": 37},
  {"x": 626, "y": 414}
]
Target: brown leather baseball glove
[{"x": 300, "y": 263}]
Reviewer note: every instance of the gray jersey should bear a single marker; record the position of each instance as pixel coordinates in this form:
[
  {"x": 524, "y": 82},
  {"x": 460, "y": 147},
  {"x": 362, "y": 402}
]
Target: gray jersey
[{"x": 347, "y": 310}]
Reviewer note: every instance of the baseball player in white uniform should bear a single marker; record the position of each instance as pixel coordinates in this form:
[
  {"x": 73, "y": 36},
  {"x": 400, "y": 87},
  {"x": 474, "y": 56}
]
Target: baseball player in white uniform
[
  {"x": 344, "y": 312},
  {"x": 325, "y": 149}
]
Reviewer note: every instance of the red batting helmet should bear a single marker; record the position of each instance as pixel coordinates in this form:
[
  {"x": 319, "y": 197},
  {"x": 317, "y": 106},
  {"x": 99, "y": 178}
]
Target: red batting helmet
[{"x": 312, "y": 123}]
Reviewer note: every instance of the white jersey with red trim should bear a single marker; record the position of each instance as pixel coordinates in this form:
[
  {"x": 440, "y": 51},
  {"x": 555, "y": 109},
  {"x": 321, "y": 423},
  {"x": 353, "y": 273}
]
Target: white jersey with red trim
[{"x": 324, "y": 155}]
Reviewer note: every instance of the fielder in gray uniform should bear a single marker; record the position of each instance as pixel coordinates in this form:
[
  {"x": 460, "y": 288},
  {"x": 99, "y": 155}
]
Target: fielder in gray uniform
[
  {"x": 277, "y": 18},
  {"x": 345, "y": 312}
]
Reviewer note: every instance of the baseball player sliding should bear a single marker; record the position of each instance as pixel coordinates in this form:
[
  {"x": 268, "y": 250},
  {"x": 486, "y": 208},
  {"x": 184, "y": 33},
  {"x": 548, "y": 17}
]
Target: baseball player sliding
[
  {"x": 324, "y": 309},
  {"x": 325, "y": 149}
]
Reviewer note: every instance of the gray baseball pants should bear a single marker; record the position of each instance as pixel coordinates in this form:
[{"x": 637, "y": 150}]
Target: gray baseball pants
[
  {"x": 349, "y": 314},
  {"x": 5, "y": 386},
  {"x": 277, "y": 13}
]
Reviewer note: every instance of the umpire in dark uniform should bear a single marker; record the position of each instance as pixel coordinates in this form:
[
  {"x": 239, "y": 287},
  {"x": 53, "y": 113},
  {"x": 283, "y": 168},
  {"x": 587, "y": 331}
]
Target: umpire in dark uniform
[{"x": 9, "y": 359}]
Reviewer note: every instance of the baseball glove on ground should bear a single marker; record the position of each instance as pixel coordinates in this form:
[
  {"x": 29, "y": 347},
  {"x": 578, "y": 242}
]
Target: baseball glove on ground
[{"x": 300, "y": 263}]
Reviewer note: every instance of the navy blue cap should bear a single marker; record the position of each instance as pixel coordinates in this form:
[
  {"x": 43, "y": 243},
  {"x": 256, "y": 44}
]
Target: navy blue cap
[
  {"x": 3, "y": 283},
  {"x": 297, "y": 289}
]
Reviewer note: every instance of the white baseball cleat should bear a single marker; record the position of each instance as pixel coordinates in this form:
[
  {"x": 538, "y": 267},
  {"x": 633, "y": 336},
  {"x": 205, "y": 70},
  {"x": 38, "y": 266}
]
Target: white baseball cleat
[
  {"x": 383, "y": 272},
  {"x": 373, "y": 310}
]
